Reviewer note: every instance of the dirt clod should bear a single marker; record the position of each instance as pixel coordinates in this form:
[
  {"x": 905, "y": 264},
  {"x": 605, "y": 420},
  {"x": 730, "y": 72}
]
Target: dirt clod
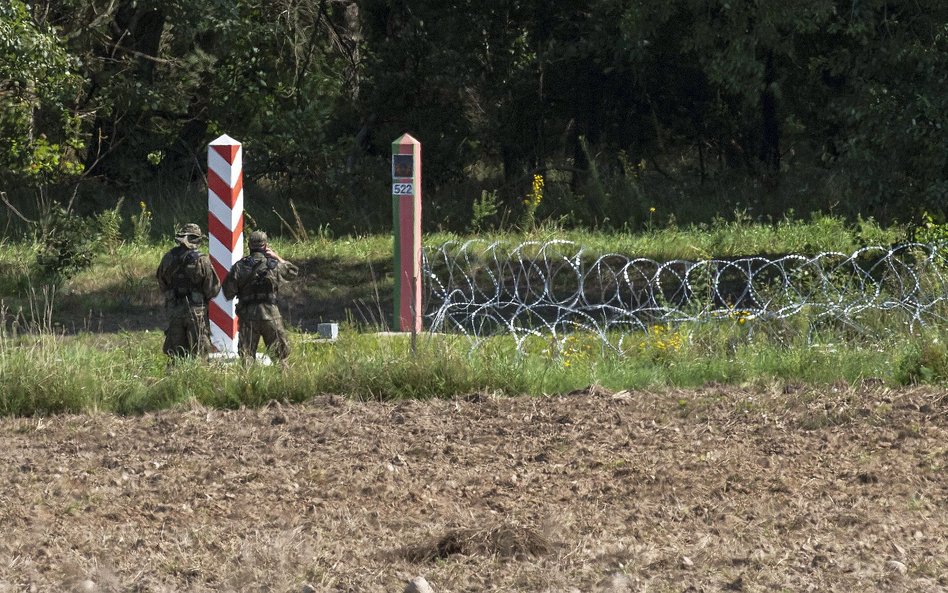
[
  {"x": 418, "y": 585},
  {"x": 85, "y": 586},
  {"x": 896, "y": 567},
  {"x": 503, "y": 541}
]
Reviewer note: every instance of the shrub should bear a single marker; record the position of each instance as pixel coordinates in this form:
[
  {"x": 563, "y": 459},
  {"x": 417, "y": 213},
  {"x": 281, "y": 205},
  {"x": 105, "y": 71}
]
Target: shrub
[
  {"x": 484, "y": 211},
  {"x": 926, "y": 363},
  {"x": 67, "y": 243},
  {"x": 141, "y": 225},
  {"x": 109, "y": 226}
]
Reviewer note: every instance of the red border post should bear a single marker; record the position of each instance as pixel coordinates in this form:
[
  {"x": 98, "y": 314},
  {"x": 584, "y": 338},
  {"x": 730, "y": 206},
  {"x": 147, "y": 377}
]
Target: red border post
[
  {"x": 406, "y": 213},
  {"x": 225, "y": 231}
]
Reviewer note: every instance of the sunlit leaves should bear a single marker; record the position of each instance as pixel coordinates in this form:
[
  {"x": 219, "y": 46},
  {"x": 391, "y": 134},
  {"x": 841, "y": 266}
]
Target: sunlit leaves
[{"x": 38, "y": 85}]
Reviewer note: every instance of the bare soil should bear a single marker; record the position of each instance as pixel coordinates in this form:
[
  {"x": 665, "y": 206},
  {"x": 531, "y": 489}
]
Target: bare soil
[{"x": 715, "y": 489}]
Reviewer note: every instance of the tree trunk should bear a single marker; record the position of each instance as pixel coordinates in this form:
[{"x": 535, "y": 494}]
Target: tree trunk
[{"x": 770, "y": 145}]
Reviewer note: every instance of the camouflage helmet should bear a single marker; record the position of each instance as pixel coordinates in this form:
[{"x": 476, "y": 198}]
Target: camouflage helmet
[
  {"x": 189, "y": 235},
  {"x": 258, "y": 240}
]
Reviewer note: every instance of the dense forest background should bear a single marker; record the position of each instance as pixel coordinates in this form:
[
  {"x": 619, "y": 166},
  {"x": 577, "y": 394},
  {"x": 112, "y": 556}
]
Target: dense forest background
[{"x": 632, "y": 111}]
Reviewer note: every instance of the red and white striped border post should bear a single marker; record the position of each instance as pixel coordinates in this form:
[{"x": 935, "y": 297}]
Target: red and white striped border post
[
  {"x": 406, "y": 213},
  {"x": 225, "y": 230}
]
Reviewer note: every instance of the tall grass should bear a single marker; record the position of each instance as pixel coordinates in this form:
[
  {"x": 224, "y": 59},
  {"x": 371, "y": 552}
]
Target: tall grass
[
  {"x": 49, "y": 373},
  {"x": 723, "y": 237}
]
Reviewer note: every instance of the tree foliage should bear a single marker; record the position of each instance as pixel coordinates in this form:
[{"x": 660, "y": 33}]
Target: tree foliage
[
  {"x": 39, "y": 81},
  {"x": 132, "y": 90}
]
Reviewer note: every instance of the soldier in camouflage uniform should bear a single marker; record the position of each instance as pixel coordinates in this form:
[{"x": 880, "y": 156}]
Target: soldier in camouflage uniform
[
  {"x": 255, "y": 281},
  {"x": 188, "y": 281}
]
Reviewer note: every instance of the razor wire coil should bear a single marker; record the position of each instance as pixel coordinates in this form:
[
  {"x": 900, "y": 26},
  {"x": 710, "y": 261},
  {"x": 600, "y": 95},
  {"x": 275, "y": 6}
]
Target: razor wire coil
[{"x": 555, "y": 288}]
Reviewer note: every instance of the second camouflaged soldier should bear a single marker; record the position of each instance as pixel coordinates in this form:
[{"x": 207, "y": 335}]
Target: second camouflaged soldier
[
  {"x": 255, "y": 281},
  {"x": 187, "y": 281}
]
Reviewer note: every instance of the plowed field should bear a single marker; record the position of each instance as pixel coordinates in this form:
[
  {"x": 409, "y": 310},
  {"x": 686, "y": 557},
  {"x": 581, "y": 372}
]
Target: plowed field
[{"x": 715, "y": 489}]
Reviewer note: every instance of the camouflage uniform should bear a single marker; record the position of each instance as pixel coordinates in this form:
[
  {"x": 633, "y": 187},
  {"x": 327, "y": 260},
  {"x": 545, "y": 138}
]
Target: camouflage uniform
[
  {"x": 188, "y": 281},
  {"x": 255, "y": 281}
]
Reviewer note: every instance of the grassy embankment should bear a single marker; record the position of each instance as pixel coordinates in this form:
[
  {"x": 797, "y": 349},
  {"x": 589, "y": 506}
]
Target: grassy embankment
[{"x": 94, "y": 342}]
